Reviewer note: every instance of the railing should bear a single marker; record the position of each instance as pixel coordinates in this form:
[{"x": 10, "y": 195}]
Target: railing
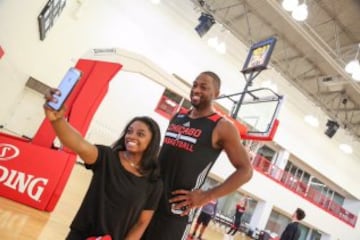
[{"x": 309, "y": 193}]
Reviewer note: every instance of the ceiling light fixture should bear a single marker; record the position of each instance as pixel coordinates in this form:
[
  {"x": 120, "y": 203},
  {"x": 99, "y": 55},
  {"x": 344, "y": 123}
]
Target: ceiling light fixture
[
  {"x": 206, "y": 21},
  {"x": 311, "y": 120},
  {"x": 290, "y": 5},
  {"x": 213, "y": 42},
  {"x": 356, "y": 75},
  {"x": 300, "y": 13},
  {"x": 218, "y": 43},
  {"x": 346, "y": 148},
  {"x": 332, "y": 127},
  {"x": 353, "y": 67},
  {"x": 221, "y": 48}
]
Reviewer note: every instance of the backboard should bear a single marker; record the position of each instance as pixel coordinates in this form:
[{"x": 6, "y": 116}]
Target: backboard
[{"x": 257, "y": 115}]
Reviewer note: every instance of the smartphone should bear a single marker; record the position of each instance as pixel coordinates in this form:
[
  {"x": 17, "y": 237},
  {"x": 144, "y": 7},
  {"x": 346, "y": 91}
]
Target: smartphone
[{"x": 67, "y": 84}]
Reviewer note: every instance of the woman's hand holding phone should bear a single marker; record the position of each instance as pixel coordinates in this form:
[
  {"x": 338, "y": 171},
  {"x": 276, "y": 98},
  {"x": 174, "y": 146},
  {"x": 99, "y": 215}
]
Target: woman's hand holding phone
[
  {"x": 65, "y": 88},
  {"x": 56, "y": 97},
  {"x": 50, "y": 113}
]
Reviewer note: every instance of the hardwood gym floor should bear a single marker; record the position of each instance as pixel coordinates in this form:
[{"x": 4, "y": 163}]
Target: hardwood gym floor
[{"x": 19, "y": 222}]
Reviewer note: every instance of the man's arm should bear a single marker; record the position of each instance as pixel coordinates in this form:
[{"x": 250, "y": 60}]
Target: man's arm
[{"x": 226, "y": 137}]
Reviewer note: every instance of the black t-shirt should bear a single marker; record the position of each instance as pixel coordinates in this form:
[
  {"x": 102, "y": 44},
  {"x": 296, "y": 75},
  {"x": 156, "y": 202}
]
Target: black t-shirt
[
  {"x": 291, "y": 232},
  {"x": 187, "y": 155},
  {"x": 115, "y": 198}
]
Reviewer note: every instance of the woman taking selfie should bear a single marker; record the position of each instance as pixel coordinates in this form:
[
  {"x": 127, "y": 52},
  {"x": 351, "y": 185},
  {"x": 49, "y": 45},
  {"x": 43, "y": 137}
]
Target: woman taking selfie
[{"x": 125, "y": 188}]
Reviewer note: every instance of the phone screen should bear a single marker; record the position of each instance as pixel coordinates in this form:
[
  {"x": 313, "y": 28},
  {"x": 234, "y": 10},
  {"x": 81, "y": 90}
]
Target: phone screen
[{"x": 66, "y": 86}]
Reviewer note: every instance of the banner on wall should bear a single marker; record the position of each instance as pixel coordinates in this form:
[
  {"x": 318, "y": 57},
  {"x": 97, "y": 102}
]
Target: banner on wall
[{"x": 28, "y": 173}]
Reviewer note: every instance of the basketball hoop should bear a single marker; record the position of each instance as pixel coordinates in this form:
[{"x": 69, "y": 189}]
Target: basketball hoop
[{"x": 258, "y": 123}]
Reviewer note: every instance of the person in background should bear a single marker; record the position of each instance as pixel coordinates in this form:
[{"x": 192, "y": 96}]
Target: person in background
[
  {"x": 208, "y": 212},
  {"x": 125, "y": 186},
  {"x": 252, "y": 155},
  {"x": 239, "y": 212},
  {"x": 292, "y": 230},
  {"x": 193, "y": 141}
]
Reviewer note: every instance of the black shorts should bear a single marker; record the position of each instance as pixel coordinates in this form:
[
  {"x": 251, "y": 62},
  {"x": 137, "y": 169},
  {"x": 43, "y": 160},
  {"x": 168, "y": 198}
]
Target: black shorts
[{"x": 204, "y": 218}]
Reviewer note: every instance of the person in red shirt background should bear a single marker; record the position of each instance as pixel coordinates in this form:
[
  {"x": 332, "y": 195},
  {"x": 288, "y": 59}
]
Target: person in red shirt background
[{"x": 239, "y": 212}]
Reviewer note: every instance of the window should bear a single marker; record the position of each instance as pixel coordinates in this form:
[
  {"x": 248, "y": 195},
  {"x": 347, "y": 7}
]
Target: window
[
  {"x": 226, "y": 205},
  {"x": 338, "y": 198},
  {"x": 266, "y": 152},
  {"x": 315, "y": 235},
  {"x": 278, "y": 222},
  {"x": 186, "y": 104},
  {"x": 170, "y": 103}
]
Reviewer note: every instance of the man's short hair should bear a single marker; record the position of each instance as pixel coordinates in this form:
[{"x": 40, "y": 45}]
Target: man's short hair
[
  {"x": 300, "y": 214},
  {"x": 215, "y": 77}
]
